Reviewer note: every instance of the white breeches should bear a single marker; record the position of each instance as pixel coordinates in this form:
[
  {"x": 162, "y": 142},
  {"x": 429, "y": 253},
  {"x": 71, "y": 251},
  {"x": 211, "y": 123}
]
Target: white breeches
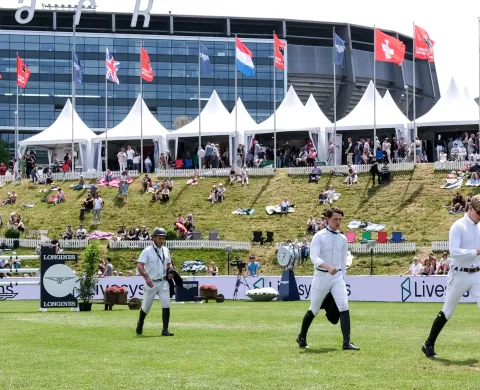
[
  {"x": 458, "y": 283},
  {"x": 161, "y": 289},
  {"x": 322, "y": 285}
]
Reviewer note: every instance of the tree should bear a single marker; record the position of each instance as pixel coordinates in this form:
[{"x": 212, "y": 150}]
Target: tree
[
  {"x": 181, "y": 121},
  {"x": 3, "y": 153}
]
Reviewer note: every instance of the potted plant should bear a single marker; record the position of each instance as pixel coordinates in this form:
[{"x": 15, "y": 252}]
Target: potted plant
[
  {"x": 116, "y": 295},
  {"x": 88, "y": 280},
  {"x": 15, "y": 235},
  {"x": 208, "y": 291}
]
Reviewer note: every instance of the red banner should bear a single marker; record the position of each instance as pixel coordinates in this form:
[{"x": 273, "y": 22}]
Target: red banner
[
  {"x": 23, "y": 73},
  {"x": 279, "y": 52},
  {"x": 388, "y": 48},
  {"x": 423, "y": 45},
  {"x": 146, "y": 68}
]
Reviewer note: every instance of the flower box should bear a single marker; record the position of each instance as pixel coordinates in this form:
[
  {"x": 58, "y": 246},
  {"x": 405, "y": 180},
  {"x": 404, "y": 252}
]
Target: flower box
[
  {"x": 209, "y": 292},
  {"x": 262, "y": 294},
  {"x": 116, "y": 295}
]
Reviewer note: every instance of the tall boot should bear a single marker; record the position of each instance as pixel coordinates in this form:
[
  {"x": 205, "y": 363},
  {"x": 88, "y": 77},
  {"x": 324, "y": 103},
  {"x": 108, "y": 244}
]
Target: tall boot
[
  {"x": 166, "y": 320},
  {"x": 345, "y": 325},
  {"x": 307, "y": 321},
  {"x": 437, "y": 326},
  {"x": 141, "y": 319}
]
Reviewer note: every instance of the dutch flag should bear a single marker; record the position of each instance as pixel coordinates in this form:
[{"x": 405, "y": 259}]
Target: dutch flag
[{"x": 244, "y": 59}]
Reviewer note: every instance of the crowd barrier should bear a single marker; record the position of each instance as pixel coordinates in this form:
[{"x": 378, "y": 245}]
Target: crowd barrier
[
  {"x": 389, "y": 247},
  {"x": 220, "y": 172},
  {"x": 439, "y": 246},
  {"x": 34, "y": 243},
  {"x": 71, "y": 176},
  {"x": 361, "y": 168},
  {"x": 451, "y": 165},
  {"x": 183, "y": 244}
]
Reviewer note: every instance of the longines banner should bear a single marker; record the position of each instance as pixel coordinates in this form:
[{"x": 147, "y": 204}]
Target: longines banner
[{"x": 360, "y": 288}]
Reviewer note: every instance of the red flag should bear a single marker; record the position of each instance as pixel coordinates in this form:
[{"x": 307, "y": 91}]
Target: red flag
[
  {"x": 279, "y": 51},
  {"x": 146, "y": 68},
  {"x": 388, "y": 48},
  {"x": 423, "y": 45},
  {"x": 23, "y": 73}
]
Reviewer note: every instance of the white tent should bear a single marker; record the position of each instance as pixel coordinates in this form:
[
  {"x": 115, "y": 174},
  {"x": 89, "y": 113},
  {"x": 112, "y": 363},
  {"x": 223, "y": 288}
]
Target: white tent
[
  {"x": 215, "y": 120},
  {"x": 454, "y": 108},
  {"x": 58, "y": 137},
  {"x": 315, "y": 118},
  {"x": 393, "y": 111},
  {"x": 244, "y": 123},
  {"x": 361, "y": 117},
  {"x": 290, "y": 116},
  {"x": 139, "y": 122}
]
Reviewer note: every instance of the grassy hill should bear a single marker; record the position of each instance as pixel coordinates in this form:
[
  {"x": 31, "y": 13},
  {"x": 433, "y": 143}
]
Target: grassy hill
[{"x": 412, "y": 203}]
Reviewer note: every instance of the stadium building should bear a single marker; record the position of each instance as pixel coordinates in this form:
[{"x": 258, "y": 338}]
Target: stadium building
[{"x": 45, "y": 44}]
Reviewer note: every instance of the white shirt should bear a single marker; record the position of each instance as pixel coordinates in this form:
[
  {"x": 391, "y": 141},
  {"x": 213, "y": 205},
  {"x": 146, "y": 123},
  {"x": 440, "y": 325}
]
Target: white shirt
[
  {"x": 98, "y": 203},
  {"x": 136, "y": 160},
  {"x": 329, "y": 248},
  {"x": 130, "y": 154},
  {"x": 81, "y": 231},
  {"x": 464, "y": 240},
  {"x": 156, "y": 261},
  {"x": 415, "y": 268}
]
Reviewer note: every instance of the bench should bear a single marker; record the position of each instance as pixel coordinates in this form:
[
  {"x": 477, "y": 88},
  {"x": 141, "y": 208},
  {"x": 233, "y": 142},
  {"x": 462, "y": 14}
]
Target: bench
[{"x": 35, "y": 233}]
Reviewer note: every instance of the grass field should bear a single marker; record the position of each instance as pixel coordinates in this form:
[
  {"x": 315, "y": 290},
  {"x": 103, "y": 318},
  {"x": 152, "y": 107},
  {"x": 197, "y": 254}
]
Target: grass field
[{"x": 235, "y": 345}]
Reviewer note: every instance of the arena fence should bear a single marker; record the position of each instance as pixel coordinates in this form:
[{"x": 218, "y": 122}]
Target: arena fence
[
  {"x": 71, "y": 176},
  {"x": 183, "y": 244},
  {"x": 439, "y": 246},
  {"x": 361, "y": 168},
  {"x": 34, "y": 243},
  {"x": 451, "y": 165},
  {"x": 389, "y": 247},
  {"x": 222, "y": 172}
]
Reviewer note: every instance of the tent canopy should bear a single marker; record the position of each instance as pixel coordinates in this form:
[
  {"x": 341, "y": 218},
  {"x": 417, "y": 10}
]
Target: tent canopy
[
  {"x": 244, "y": 120},
  {"x": 453, "y": 108},
  {"x": 395, "y": 113},
  {"x": 290, "y": 116},
  {"x": 314, "y": 116},
  {"x": 215, "y": 120},
  {"x": 60, "y": 132},
  {"x": 361, "y": 117},
  {"x": 130, "y": 127}
]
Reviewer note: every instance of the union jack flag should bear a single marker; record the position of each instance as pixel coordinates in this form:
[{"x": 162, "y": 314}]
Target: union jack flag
[{"x": 112, "y": 68}]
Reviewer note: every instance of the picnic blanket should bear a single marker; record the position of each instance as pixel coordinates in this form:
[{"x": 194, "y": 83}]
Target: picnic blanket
[
  {"x": 368, "y": 226},
  {"x": 453, "y": 184},
  {"x": 473, "y": 183},
  {"x": 99, "y": 235},
  {"x": 78, "y": 187},
  {"x": 193, "y": 266},
  {"x": 32, "y": 204},
  {"x": 243, "y": 211},
  {"x": 278, "y": 209},
  {"x": 113, "y": 183}
]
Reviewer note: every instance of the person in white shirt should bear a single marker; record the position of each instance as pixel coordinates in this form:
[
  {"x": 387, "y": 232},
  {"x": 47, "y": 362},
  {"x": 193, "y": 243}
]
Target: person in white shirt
[
  {"x": 328, "y": 252},
  {"x": 81, "y": 233},
  {"x": 122, "y": 159},
  {"x": 244, "y": 175},
  {"x": 415, "y": 268},
  {"x": 443, "y": 264},
  {"x": 97, "y": 208},
  {"x": 154, "y": 264},
  {"x": 464, "y": 274},
  {"x": 136, "y": 162},
  {"x": 130, "y": 156}
]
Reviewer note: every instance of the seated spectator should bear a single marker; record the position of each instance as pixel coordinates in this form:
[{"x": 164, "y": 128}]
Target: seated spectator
[
  {"x": 108, "y": 176},
  {"x": 165, "y": 194},
  {"x": 213, "y": 194},
  {"x": 443, "y": 265},
  {"x": 304, "y": 250},
  {"x": 433, "y": 261},
  {"x": 310, "y": 224},
  {"x": 350, "y": 177},
  {"x": 458, "y": 203},
  {"x": 56, "y": 245},
  {"x": 221, "y": 192},
  {"x": 284, "y": 206},
  {"x": 415, "y": 268},
  {"x": 331, "y": 194},
  {"x": 81, "y": 233},
  {"x": 19, "y": 225},
  {"x": 312, "y": 155},
  {"x": 189, "y": 222},
  {"x": 60, "y": 197},
  {"x": 132, "y": 235},
  {"x": 146, "y": 182},
  {"x": 48, "y": 177},
  {"x": 68, "y": 233},
  {"x": 302, "y": 158},
  {"x": 427, "y": 269},
  {"x": 314, "y": 175},
  {"x": 121, "y": 233},
  {"x": 244, "y": 176},
  {"x": 233, "y": 176},
  {"x": 144, "y": 234},
  {"x": 323, "y": 197},
  {"x": 213, "y": 269},
  {"x": 157, "y": 190},
  {"x": 253, "y": 266},
  {"x": 169, "y": 184}
]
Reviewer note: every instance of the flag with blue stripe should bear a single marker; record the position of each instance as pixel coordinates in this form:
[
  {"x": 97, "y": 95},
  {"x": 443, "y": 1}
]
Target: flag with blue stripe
[
  {"x": 77, "y": 69},
  {"x": 339, "y": 46}
]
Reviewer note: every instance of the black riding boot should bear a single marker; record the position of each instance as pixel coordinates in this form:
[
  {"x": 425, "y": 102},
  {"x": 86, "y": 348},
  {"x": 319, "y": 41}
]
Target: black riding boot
[
  {"x": 307, "y": 321},
  {"x": 166, "y": 320},
  {"x": 141, "y": 319},
  {"x": 345, "y": 325}
]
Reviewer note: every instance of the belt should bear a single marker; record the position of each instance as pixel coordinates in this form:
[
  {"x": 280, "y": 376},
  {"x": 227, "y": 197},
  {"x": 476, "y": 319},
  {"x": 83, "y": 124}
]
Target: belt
[
  {"x": 160, "y": 280},
  {"x": 325, "y": 271},
  {"x": 469, "y": 270}
]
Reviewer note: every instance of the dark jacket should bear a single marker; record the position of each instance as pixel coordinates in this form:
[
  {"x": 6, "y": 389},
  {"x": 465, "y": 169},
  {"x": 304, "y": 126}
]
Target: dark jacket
[
  {"x": 178, "y": 282},
  {"x": 332, "y": 313}
]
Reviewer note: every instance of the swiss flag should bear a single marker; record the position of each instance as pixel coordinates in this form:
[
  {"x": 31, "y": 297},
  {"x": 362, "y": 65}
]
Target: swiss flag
[
  {"x": 279, "y": 52},
  {"x": 423, "y": 45},
  {"x": 388, "y": 48},
  {"x": 23, "y": 73},
  {"x": 146, "y": 68}
]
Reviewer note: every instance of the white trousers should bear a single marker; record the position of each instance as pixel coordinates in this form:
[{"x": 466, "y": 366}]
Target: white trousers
[
  {"x": 458, "y": 283},
  {"x": 122, "y": 166},
  {"x": 161, "y": 289},
  {"x": 322, "y": 285}
]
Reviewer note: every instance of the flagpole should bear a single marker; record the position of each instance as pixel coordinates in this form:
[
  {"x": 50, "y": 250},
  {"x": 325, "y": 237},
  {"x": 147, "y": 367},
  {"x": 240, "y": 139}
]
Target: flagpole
[
  {"x": 374, "y": 94},
  {"x": 16, "y": 121},
  {"x": 199, "y": 113},
  {"x": 479, "y": 73},
  {"x": 236, "y": 94},
  {"x": 414, "y": 105},
  {"x": 334, "y": 102},
  {"x": 106, "y": 120},
  {"x": 274, "y": 108},
  {"x": 141, "y": 109},
  {"x": 73, "y": 99}
]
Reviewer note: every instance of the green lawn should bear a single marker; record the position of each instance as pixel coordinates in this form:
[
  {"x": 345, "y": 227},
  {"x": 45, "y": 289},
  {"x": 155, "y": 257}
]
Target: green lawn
[{"x": 235, "y": 345}]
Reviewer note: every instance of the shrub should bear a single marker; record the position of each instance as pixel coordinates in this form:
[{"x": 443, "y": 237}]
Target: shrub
[
  {"x": 171, "y": 235},
  {"x": 88, "y": 280},
  {"x": 12, "y": 233}
]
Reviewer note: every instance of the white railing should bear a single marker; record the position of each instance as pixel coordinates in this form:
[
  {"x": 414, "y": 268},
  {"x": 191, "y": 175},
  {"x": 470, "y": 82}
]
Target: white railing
[
  {"x": 361, "y": 168},
  {"x": 183, "y": 244},
  {"x": 438, "y": 246},
  {"x": 451, "y": 165},
  {"x": 225, "y": 172},
  {"x": 388, "y": 247},
  {"x": 71, "y": 176},
  {"x": 33, "y": 243}
]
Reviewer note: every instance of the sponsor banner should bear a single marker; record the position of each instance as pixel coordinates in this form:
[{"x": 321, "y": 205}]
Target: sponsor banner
[{"x": 360, "y": 288}]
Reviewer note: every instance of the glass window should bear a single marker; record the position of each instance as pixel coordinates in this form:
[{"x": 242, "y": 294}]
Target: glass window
[
  {"x": 178, "y": 48},
  {"x": 178, "y": 70},
  {"x": 4, "y": 44}
]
